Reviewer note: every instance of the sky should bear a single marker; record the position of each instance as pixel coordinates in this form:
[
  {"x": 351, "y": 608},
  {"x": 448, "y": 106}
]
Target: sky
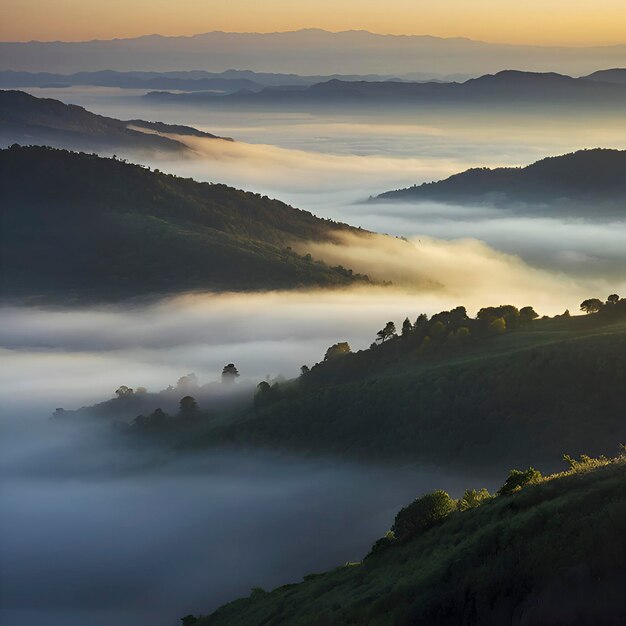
[{"x": 553, "y": 22}]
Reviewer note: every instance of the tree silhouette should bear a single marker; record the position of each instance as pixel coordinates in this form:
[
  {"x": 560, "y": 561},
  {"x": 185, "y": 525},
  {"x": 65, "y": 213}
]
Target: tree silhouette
[
  {"x": 229, "y": 373},
  {"x": 592, "y": 305},
  {"x": 386, "y": 333},
  {"x": 124, "y": 391},
  {"x": 188, "y": 406},
  {"x": 407, "y": 327},
  {"x": 337, "y": 350},
  {"x": 612, "y": 299},
  {"x": 527, "y": 314},
  {"x": 304, "y": 370}
]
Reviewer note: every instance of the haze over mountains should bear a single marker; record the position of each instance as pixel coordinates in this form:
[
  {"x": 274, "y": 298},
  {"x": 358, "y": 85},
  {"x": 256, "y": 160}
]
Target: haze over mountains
[
  {"x": 228, "y": 81},
  {"x": 28, "y": 120},
  {"x": 308, "y": 51},
  {"x": 511, "y": 88},
  {"x": 588, "y": 182}
]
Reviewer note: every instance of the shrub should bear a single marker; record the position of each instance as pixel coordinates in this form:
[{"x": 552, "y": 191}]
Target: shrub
[
  {"x": 473, "y": 498},
  {"x": 383, "y": 542},
  {"x": 518, "y": 479},
  {"x": 422, "y": 514}
]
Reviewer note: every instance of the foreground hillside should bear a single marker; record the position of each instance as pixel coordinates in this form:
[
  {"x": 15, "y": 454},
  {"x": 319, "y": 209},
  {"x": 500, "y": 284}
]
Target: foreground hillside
[
  {"x": 76, "y": 225},
  {"x": 25, "y": 119},
  {"x": 544, "y": 551},
  {"x": 592, "y": 180}
]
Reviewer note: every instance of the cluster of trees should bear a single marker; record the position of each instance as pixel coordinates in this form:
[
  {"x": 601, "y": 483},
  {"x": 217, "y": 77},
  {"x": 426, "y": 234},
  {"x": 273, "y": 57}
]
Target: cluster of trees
[
  {"x": 457, "y": 325},
  {"x": 444, "y": 330},
  {"x": 188, "y": 411},
  {"x": 449, "y": 328},
  {"x": 613, "y": 304},
  {"x": 188, "y": 407}
]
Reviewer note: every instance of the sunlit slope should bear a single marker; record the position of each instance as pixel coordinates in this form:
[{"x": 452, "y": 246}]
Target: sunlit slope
[
  {"x": 552, "y": 553},
  {"x": 523, "y": 397},
  {"x": 591, "y": 181},
  {"x": 84, "y": 226}
]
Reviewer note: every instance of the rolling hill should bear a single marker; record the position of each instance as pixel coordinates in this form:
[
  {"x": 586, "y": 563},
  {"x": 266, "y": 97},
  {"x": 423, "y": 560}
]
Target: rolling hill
[
  {"x": 551, "y": 552},
  {"x": 80, "y": 226},
  {"x": 26, "y": 119},
  {"x": 592, "y": 182},
  {"x": 448, "y": 392}
]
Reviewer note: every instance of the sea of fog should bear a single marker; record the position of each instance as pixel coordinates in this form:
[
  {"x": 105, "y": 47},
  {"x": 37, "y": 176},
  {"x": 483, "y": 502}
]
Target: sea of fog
[
  {"x": 92, "y": 532},
  {"x": 331, "y": 162}
]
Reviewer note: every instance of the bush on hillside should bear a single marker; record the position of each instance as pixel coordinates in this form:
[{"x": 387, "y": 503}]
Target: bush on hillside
[
  {"x": 518, "y": 479},
  {"x": 422, "y": 514}
]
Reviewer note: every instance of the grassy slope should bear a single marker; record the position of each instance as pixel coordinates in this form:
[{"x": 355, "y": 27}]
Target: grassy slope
[
  {"x": 77, "y": 224},
  {"x": 553, "y": 553},
  {"x": 519, "y": 398}
]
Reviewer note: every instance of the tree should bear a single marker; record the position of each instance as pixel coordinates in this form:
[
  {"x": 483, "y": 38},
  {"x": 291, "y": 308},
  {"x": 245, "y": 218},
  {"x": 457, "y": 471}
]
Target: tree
[
  {"x": 387, "y": 332},
  {"x": 123, "y": 391},
  {"x": 189, "y": 620},
  {"x": 229, "y": 373},
  {"x": 188, "y": 406},
  {"x": 592, "y": 305},
  {"x": 422, "y": 514},
  {"x": 337, "y": 350},
  {"x": 407, "y": 327},
  {"x": 304, "y": 370},
  {"x": 527, "y": 314},
  {"x": 421, "y": 321},
  {"x": 612, "y": 299},
  {"x": 263, "y": 395}
]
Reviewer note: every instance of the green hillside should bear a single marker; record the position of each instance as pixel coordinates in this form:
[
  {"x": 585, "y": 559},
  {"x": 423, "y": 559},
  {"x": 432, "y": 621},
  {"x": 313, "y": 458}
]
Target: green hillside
[
  {"x": 551, "y": 551},
  {"x": 454, "y": 391},
  {"x": 79, "y": 226}
]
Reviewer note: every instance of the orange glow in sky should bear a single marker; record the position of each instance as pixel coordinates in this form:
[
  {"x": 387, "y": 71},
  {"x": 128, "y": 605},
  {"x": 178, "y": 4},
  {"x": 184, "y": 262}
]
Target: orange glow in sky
[{"x": 575, "y": 22}]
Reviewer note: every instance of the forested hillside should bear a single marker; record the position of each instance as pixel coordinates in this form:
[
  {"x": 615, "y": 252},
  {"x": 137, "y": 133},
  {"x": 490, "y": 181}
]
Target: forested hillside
[
  {"x": 79, "y": 226},
  {"x": 455, "y": 391}
]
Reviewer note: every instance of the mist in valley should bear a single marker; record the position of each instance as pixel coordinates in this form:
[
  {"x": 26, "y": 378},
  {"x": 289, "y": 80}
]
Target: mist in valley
[{"x": 95, "y": 531}]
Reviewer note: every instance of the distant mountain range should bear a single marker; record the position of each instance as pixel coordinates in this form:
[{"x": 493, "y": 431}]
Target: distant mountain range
[
  {"x": 25, "y": 119},
  {"x": 615, "y": 75},
  {"x": 308, "y": 51},
  {"x": 592, "y": 182},
  {"x": 510, "y": 87},
  {"x": 229, "y": 81},
  {"x": 78, "y": 226}
]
